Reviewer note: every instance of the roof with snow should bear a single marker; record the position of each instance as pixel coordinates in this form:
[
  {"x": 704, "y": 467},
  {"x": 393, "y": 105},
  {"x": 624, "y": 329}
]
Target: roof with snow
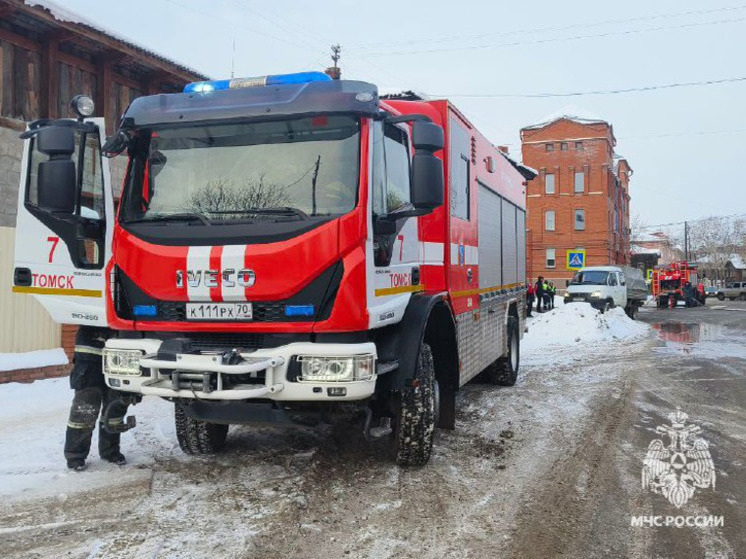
[
  {"x": 70, "y": 19},
  {"x": 568, "y": 112},
  {"x": 637, "y": 249},
  {"x": 737, "y": 262}
]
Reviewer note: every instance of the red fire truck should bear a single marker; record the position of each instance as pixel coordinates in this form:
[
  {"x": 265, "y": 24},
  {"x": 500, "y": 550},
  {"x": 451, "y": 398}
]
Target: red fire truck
[
  {"x": 282, "y": 245},
  {"x": 668, "y": 282}
]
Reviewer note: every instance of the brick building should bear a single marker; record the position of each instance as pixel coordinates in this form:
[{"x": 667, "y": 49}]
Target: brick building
[
  {"x": 47, "y": 55},
  {"x": 580, "y": 200}
]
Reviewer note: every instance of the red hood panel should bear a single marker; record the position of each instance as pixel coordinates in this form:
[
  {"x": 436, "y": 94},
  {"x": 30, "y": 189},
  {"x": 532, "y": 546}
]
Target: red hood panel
[{"x": 223, "y": 273}]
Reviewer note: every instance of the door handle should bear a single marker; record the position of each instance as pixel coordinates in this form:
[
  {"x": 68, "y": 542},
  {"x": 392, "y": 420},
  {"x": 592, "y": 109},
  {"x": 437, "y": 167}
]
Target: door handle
[{"x": 22, "y": 277}]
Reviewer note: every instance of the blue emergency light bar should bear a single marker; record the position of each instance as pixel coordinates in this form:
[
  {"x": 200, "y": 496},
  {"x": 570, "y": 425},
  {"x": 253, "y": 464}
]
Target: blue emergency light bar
[{"x": 260, "y": 81}]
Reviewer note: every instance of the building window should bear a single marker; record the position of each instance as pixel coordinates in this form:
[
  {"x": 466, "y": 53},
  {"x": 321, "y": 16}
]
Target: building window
[
  {"x": 549, "y": 183},
  {"x": 563, "y": 146},
  {"x": 579, "y": 220},
  {"x": 549, "y": 220},
  {"x": 579, "y": 145},
  {"x": 551, "y": 262},
  {"x": 579, "y": 182},
  {"x": 550, "y": 147}
]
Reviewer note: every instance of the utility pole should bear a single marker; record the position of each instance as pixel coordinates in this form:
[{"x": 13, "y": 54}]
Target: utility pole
[{"x": 686, "y": 241}]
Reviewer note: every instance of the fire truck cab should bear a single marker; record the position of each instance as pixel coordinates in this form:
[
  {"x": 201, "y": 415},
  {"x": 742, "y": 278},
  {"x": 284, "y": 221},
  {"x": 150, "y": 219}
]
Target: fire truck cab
[{"x": 281, "y": 246}]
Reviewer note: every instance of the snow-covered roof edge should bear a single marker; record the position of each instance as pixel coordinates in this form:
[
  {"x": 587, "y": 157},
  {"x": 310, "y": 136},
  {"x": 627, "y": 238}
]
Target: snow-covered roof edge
[
  {"x": 527, "y": 172},
  {"x": 62, "y": 14},
  {"x": 568, "y": 112}
]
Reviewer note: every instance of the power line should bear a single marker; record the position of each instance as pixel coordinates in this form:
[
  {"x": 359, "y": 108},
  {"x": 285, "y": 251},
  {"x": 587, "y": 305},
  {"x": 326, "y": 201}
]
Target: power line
[
  {"x": 240, "y": 26},
  {"x": 659, "y": 225},
  {"x": 550, "y": 29},
  {"x": 596, "y": 92},
  {"x": 556, "y": 39}
]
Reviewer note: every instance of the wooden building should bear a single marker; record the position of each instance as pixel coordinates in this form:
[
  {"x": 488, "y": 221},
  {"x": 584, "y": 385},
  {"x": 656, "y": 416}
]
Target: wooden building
[{"x": 47, "y": 56}]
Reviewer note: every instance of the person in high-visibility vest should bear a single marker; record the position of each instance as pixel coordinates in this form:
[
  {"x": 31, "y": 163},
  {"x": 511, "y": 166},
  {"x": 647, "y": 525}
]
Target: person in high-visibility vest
[{"x": 91, "y": 393}]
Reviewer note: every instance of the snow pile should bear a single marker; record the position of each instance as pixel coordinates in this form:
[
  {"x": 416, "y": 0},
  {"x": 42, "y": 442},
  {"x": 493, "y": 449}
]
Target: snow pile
[
  {"x": 32, "y": 359},
  {"x": 580, "y": 324}
]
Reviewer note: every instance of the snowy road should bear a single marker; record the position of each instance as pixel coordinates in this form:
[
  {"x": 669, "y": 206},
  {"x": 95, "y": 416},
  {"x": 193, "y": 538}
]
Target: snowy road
[{"x": 548, "y": 468}]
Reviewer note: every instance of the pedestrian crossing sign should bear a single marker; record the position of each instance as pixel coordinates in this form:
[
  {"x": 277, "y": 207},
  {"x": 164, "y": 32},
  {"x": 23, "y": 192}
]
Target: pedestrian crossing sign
[{"x": 575, "y": 259}]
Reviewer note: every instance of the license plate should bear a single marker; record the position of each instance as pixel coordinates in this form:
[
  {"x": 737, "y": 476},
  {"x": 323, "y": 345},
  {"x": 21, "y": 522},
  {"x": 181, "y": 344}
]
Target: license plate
[
  {"x": 578, "y": 298},
  {"x": 218, "y": 311}
]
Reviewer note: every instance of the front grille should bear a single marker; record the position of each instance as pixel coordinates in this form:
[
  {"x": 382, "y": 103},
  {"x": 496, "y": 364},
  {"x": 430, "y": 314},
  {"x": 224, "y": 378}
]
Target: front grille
[
  {"x": 225, "y": 341},
  {"x": 172, "y": 311}
]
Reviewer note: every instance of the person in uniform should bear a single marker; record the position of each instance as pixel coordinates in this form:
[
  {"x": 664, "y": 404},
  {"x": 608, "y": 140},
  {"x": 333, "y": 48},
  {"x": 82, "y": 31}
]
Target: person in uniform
[{"x": 91, "y": 393}]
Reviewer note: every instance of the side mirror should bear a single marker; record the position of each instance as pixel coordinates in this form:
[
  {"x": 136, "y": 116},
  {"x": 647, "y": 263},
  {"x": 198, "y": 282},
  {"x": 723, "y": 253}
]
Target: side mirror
[
  {"x": 58, "y": 142},
  {"x": 427, "y": 181},
  {"x": 56, "y": 176},
  {"x": 427, "y": 136}
]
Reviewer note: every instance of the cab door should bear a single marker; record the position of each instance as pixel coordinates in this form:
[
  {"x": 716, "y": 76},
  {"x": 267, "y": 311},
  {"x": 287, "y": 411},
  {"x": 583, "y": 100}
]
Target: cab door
[{"x": 65, "y": 221}]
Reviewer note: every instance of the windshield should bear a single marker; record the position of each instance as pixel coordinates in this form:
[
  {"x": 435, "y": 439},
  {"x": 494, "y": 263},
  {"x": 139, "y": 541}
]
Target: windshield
[
  {"x": 278, "y": 170},
  {"x": 590, "y": 277}
]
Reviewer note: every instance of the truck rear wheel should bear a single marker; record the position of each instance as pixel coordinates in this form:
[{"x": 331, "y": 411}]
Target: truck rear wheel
[
  {"x": 504, "y": 371},
  {"x": 196, "y": 436},
  {"x": 416, "y": 415}
]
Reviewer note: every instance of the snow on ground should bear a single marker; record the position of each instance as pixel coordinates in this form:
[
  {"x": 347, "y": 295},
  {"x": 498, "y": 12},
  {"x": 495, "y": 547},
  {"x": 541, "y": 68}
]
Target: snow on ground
[
  {"x": 33, "y": 418},
  {"x": 576, "y": 332},
  {"x": 32, "y": 359}
]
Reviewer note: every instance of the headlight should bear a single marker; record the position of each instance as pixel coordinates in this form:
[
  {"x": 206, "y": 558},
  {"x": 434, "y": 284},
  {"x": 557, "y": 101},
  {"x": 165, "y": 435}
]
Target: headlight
[
  {"x": 336, "y": 369},
  {"x": 596, "y": 294},
  {"x": 122, "y": 361},
  {"x": 82, "y": 105}
]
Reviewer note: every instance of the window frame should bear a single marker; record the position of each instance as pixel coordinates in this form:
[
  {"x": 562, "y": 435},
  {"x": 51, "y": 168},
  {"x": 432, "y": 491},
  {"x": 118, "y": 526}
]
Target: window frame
[
  {"x": 576, "y": 212},
  {"x": 575, "y": 182},
  {"x": 406, "y": 142},
  {"x": 553, "y": 221},
  {"x": 467, "y": 190},
  {"x": 549, "y": 146},
  {"x": 554, "y": 183},
  {"x": 554, "y": 258}
]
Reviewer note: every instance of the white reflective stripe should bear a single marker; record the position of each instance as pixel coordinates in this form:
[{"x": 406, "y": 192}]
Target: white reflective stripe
[
  {"x": 76, "y": 425},
  {"x": 233, "y": 258},
  {"x": 432, "y": 253},
  {"x": 89, "y": 349},
  {"x": 471, "y": 255},
  {"x": 198, "y": 261}
]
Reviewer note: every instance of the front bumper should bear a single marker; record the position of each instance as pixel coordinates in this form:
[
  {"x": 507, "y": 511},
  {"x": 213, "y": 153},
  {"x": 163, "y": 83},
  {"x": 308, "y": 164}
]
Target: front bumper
[
  {"x": 261, "y": 374},
  {"x": 583, "y": 298}
]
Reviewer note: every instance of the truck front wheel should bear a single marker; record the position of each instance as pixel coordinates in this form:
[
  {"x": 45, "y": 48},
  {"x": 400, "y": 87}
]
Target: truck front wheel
[
  {"x": 721, "y": 296},
  {"x": 416, "y": 415},
  {"x": 196, "y": 436}
]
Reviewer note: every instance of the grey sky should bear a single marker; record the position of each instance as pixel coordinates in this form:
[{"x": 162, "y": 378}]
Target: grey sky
[{"x": 684, "y": 144}]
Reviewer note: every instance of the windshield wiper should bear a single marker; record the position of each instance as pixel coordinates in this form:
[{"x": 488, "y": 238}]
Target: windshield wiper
[
  {"x": 173, "y": 217},
  {"x": 277, "y": 210}
]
